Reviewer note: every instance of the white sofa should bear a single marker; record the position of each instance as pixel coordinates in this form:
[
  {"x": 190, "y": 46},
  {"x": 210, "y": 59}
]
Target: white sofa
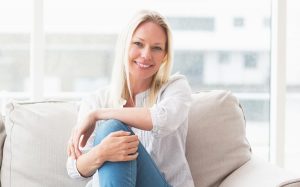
[{"x": 33, "y": 138}]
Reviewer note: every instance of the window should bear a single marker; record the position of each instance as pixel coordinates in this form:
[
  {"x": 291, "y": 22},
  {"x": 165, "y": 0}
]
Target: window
[
  {"x": 14, "y": 58},
  {"x": 79, "y": 49},
  {"x": 238, "y": 22},
  {"x": 190, "y": 63},
  {"x": 267, "y": 22},
  {"x": 14, "y": 49},
  {"x": 293, "y": 87},
  {"x": 250, "y": 61},
  {"x": 224, "y": 58},
  {"x": 192, "y": 23},
  {"x": 87, "y": 58},
  {"x": 14, "y": 45}
]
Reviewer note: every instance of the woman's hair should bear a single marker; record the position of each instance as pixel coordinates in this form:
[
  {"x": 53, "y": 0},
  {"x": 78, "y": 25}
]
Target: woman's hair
[{"x": 120, "y": 84}]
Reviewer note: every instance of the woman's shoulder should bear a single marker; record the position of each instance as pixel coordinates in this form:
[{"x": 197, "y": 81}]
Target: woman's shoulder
[
  {"x": 177, "y": 77},
  {"x": 176, "y": 83}
]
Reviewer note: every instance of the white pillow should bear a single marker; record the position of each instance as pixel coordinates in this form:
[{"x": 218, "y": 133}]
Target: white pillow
[
  {"x": 216, "y": 142},
  {"x": 35, "y": 148}
]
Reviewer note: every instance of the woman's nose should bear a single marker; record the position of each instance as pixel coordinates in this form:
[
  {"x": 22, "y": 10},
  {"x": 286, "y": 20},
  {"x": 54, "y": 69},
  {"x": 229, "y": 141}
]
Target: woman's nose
[{"x": 146, "y": 53}]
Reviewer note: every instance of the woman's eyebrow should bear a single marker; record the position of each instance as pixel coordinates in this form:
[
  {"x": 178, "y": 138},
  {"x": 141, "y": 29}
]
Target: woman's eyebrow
[
  {"x": 156, "y": 43},
  {"x": 138, "y": 38}
]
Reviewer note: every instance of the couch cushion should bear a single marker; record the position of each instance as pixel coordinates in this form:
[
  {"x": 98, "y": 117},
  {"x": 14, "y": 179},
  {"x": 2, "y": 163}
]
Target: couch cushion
[
  {"x": 216, "y": 142},
  {"x": 2, "y": 138},
  {"x": 35, "y": 148}
]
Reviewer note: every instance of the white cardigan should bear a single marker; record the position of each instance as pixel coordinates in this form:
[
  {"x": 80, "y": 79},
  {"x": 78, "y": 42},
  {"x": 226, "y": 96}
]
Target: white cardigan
[{"x": 166, "y": 141}]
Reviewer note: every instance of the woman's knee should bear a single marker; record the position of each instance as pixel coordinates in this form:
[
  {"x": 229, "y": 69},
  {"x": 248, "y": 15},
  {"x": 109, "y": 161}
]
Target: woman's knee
[
  {"x": 113, "y": 125},
  {"x": 107, "y": 127}
]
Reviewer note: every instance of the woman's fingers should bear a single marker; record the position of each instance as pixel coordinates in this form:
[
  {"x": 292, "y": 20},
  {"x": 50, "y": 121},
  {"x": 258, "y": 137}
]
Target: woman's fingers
[
  {"x": 134, "y": 143},
  {"x": 73, "y": 155},
  {"x": 129, "y": 145},
  {"x": 126, "y": 157},
  {"x": 70, "y": 150},
  {"x": 130, "y": 138},
  {"x": 132, "y": 150},
  {"x": 124, "y": 135},
  {"x": 131, "y": 157},
  {"x": 83, "y": 141},
  {"x": 120, "y": 146},
  {"x": 75, "y": 143},
  {"x": 119, "y": 133}
]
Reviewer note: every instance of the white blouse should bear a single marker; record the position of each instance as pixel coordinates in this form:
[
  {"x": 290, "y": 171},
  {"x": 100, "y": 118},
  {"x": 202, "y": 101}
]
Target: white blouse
[{"x": 165, "y": 142}]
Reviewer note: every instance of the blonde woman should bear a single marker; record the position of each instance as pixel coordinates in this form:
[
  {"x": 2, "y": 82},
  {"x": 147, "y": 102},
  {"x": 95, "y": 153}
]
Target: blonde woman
[{"x": 134, "y": 133}]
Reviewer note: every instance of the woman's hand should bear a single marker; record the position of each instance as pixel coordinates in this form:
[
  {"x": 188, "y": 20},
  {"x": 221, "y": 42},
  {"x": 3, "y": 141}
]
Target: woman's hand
[
  {"x": 79, "y": 136},
  {"x": 118, "y": 146}
]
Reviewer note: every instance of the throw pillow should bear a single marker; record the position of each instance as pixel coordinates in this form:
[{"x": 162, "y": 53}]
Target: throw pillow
[
  {"x": 35, "y": 148},
  {"x": 216, "y": 141}
]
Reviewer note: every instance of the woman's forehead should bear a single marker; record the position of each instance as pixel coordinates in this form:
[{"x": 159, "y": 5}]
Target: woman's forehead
[{"x": 150, "y": 31}]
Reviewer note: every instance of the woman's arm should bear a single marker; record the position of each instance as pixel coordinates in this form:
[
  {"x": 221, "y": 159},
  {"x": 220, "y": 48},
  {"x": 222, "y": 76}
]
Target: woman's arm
[
  {"x": 137, "y": 117},
  {"x": 88, "y": 163},
  {"x": 82, "y": 165}
]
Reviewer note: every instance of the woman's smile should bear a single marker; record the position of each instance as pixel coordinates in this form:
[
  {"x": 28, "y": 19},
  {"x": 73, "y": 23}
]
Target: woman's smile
[{"x": 142, "y": 65}]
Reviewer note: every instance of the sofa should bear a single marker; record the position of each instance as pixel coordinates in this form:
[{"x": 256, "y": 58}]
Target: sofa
[{"x": 33, "y": 139}]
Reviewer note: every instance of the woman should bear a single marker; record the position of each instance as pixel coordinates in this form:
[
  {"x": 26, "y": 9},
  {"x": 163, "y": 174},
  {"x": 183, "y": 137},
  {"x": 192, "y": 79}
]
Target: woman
[{"x": 144, "y": 104}]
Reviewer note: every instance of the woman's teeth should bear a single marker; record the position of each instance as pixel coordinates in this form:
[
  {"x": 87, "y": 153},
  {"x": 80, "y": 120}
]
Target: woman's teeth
[{"x": 143, "y": 65}]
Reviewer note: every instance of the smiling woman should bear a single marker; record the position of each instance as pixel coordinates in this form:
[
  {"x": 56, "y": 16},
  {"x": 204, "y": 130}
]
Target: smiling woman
[{"x": 132, "y": 132}]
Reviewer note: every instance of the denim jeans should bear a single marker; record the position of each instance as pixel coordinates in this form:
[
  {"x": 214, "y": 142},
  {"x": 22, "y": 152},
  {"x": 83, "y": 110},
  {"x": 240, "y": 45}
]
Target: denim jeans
[{"x": 141, "y": 172}]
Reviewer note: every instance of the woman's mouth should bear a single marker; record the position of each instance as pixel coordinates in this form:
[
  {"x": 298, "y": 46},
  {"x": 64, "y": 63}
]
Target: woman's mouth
[{"x": 143, "y": 66}]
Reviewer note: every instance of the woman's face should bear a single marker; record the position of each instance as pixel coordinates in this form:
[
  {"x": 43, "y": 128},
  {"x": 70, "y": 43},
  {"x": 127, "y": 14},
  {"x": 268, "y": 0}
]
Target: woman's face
[{"x": 147, "y": 51}]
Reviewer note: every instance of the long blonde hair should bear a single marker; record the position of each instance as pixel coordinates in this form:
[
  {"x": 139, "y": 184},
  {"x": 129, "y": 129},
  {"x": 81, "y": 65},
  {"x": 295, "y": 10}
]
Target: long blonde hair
[{"x": 120, "y": 84}]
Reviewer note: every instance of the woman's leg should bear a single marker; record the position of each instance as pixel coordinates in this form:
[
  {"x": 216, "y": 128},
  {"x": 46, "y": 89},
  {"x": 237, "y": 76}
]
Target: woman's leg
[
  {"x": 140, "y": 173},
  {"x": 115, "y": 174},
  {"x": 148, "y": 174}
]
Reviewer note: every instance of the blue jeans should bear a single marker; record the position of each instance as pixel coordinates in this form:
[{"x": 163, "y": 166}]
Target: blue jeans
[{"x": 141, "y": 172}]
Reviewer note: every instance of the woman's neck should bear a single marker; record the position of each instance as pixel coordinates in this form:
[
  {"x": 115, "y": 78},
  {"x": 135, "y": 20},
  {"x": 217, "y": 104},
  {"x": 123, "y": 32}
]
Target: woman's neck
[
  {"x": 139, "y": 86},
  {"x": 129, "y": 103}
]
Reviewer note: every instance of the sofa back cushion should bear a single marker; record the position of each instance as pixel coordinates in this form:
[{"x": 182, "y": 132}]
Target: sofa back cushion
[
  {"x": 216, "y": 142},
  {"x": 34, "y": 152},
  {"x": 35, "y": 148},
  {"x": 2, "y": 139}
]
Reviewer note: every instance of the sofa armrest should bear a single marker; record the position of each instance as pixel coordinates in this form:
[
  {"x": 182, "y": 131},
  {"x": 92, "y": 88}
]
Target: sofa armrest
[
  {"x": 259, "y": 173},
  {"x": 291, "y": 183}
]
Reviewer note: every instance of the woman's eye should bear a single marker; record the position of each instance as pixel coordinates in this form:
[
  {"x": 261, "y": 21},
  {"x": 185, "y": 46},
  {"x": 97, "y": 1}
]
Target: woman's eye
[
  {"x": 157, "y": 48},
  {"x": 139, "y": 44}
]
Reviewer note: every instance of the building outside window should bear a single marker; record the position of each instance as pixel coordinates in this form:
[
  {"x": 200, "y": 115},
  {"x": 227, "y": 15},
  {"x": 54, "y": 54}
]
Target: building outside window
[
  {"x": 238, "y": 22},
  {"x": 250, "y": 61}
]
